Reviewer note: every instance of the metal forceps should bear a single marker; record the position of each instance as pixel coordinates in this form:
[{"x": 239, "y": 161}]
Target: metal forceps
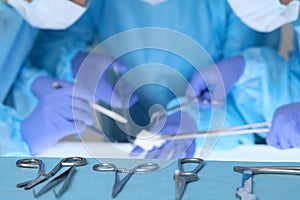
[
  {"x": 245, "y": 192},
  {"x": 260, "y": 127},
  {"x": 119, "y": 184},
  {"x": 196, "y": 101},
  {"x": 270, "y": 169},
  {"x": 71, "y": 162},
  {"x": 183, "y": 177},
  {"x": 65, "y": 176}
]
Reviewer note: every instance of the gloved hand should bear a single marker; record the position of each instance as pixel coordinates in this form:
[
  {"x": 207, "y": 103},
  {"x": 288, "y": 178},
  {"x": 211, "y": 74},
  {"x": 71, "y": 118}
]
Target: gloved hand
[
  {"x": 106, "y": 86},
  {"x": 285, "y": 129},
  {"x": 230, "y": 70},
  {"x": 170, "y": 149},
  {"x": 55, "y": 117},
  {"x": 43, "y": 86}
]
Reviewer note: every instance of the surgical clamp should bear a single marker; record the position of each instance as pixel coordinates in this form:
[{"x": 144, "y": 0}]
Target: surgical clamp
[
  {"x": 183, "y": 177},
  {"x": 119, "y": 184},
  {"x": 294, "y": 170},
  {"x": 245, "y": 192}
]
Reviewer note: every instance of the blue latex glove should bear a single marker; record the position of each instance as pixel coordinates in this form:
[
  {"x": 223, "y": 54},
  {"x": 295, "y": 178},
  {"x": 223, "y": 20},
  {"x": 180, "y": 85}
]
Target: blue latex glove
[
  {"x": 230, "y": 70},
  {"x": 105, "y": 87},
  {"x": 55, "y": 116},
  {"x": 171, "y": 149},
  {"x": 285, "y": 130}
]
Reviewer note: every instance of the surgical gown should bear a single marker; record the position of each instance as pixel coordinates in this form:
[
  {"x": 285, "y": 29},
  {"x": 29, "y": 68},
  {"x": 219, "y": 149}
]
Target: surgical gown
[
  {"x": 210, "y": 23},
  {"x": 269, "y": 81},
  {"x": 16, "y": 38}
]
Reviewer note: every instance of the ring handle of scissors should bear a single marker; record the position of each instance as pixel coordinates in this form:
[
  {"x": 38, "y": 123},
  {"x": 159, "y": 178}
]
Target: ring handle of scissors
[
  {"x": 29, "y": 163},
  {"x": 66, "y": 162},
  {"x": 108, "y": 167},
  {"x": 188, "y": 176},
  {"x": 145, "y": 167},
  {"x": 32, "y": 163},
  {"x": 102, "y": 167},
  {"x": 191, "y": 160},
  {"x": 75, "y": 160}
]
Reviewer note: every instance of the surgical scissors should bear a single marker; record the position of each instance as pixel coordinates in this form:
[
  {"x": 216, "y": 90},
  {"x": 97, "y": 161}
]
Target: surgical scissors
[
  {"x": 32, "y": 163},
  {"x": 42, "y": 176},
  {"x": 183, "y": 177},
  {"x": 119, "y": 184}
]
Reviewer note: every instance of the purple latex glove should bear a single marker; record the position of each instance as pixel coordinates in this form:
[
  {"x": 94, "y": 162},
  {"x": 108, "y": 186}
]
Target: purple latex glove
[
  {"x": 172, "y": 149},
  {"x": 285, "y": 129},
  {"x": 43, "y": 86},
  {"x": 55, "y": 116},
  {"x": 230, "y": 70},
  {"x": 104, "y": 92}
]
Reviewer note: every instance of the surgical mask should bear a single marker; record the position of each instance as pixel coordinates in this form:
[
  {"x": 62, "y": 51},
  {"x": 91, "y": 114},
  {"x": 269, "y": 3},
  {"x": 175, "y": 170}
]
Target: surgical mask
[
  {"x": 48, "y": 14},
  {"x": 265, "y": 15},
  {"x": 154, "y": 2}
]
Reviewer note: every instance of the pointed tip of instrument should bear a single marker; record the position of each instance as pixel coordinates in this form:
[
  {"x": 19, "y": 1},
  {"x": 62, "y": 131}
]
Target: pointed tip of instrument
[
  {"x": 56, "y": 194},
  {"x": 35, "y": 182},
  {"x": 114, "y": 194},
  {"x": 115, "y": 191}
]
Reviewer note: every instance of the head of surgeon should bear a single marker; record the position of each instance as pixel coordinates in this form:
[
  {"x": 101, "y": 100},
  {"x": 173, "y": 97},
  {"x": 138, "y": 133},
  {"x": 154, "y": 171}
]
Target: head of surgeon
[
  {"x": 266, "y": 15},
  {"x": 49, "y": 14}
]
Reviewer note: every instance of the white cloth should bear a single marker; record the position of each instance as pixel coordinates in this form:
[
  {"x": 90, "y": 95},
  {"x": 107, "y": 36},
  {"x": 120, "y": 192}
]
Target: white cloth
[
  {"x": 148, "y": 140},
  {"x": 48, "y": 14},
  {"x": 265, "y": 15}
]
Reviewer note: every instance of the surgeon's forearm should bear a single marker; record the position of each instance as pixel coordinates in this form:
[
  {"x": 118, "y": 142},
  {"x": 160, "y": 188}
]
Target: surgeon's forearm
[
  {"x": 5, "y": 1},
  {"x": 79, "y": 2}
]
